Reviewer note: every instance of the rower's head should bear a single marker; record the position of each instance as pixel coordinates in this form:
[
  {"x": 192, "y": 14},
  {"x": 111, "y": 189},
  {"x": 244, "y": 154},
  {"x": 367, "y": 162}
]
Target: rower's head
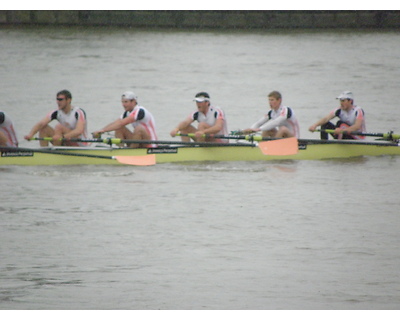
[
  {"x": 202, "y": 101},
  {"x": 275, "y": 99},
  {"x": 64, "y": 98},
  {"x": 346, "y": 99},
  {"x": 129, "y": 100}
]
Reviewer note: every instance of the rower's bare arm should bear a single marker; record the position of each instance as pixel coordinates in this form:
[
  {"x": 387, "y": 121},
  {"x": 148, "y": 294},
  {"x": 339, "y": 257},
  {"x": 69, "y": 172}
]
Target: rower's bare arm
[
  {"x": 217, "y": 127},
  {"x": 249, "y": 130},
  {"x": 322, "y": 121},
  {"x": 181, "y": 126},
  {"x": 357, "y": 126},
  {"x": 38, "y": 126},
  {"x": 79, "y": 129},
  {"x": 115, "y": 125}
]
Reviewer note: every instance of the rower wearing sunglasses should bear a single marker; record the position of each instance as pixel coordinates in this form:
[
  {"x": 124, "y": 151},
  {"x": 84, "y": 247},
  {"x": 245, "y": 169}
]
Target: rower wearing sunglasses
[{"x": 72, "y": 124}]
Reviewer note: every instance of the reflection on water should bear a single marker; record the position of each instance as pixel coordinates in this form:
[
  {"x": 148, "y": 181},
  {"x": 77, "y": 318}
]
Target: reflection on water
[
  {"x": 74, "y": 172},
  {"x": 285, "y": 168}
]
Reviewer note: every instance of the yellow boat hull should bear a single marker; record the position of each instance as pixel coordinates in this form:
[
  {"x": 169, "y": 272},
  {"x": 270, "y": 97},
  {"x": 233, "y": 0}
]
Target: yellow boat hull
[{"x": 181, "y": 154}]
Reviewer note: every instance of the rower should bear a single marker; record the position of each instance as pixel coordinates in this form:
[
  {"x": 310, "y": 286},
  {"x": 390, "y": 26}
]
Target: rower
[
  {"x": 142, "y": 121},
  {"x": 279, "y": 122},
  {"x": 72, "y": 124},
  {"x": 211, "y": 121},
  {"x": 351, "y": 119},
  {"x": 8, "y": 137}
]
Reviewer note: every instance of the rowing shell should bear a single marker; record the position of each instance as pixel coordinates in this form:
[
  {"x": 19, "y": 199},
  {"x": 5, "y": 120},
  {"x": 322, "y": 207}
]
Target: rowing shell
[{"x": 106, "y": 155}]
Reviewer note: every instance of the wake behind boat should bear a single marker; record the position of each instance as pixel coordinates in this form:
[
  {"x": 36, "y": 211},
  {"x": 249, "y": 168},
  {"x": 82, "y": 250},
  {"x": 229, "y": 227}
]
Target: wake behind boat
[{"x": 306, "y": 149}]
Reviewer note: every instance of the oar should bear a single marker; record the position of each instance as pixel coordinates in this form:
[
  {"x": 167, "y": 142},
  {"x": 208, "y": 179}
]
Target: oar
[
  {"x": 146, "y": 160},
  {"x": 117, "y": 141},
  {"x": 386, "y": 136},
  {"x": 268, "y": 146}
]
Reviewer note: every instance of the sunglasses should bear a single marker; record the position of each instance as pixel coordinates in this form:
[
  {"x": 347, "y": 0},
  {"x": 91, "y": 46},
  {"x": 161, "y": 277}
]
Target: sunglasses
[{"x": 60, "y": 99}]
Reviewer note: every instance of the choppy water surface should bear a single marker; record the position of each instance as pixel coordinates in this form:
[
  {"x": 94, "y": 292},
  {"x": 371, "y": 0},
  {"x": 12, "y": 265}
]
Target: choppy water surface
[{"x": 262, "y": 235}]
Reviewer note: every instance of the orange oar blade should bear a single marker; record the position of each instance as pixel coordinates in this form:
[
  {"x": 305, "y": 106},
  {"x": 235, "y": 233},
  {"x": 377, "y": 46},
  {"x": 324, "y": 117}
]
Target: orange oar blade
[
  {"x": 147, "y": 160},
  {"x": 280, "y": 147}
]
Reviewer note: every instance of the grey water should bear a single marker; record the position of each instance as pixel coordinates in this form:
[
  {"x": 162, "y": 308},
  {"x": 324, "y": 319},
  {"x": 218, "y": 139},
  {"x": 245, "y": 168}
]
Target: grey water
[{"x": 289, "y": 235}]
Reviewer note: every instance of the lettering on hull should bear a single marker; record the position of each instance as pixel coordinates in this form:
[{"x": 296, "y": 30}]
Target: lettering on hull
[
  {"x": 161, "y": 150},
  {"x": 17, "y": 154}
]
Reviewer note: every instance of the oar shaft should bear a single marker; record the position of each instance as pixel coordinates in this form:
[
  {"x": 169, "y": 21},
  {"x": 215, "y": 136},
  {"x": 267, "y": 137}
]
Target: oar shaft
[
  {"x": 234, "y": 137},
  {"x": 389, "y": 136},
  {"x": 117, "y": 141}
]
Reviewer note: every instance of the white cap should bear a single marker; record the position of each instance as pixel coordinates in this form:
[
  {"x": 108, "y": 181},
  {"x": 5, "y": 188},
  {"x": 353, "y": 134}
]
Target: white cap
[
  {"x": 202, "y": 96},
  {"x": 346, "y": 95},
  {"x": 129, "y": 95}
]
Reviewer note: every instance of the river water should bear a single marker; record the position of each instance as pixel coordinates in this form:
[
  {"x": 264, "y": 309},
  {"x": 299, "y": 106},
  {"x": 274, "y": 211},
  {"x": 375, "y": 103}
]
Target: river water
[{"x": 263, "y": 235}]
